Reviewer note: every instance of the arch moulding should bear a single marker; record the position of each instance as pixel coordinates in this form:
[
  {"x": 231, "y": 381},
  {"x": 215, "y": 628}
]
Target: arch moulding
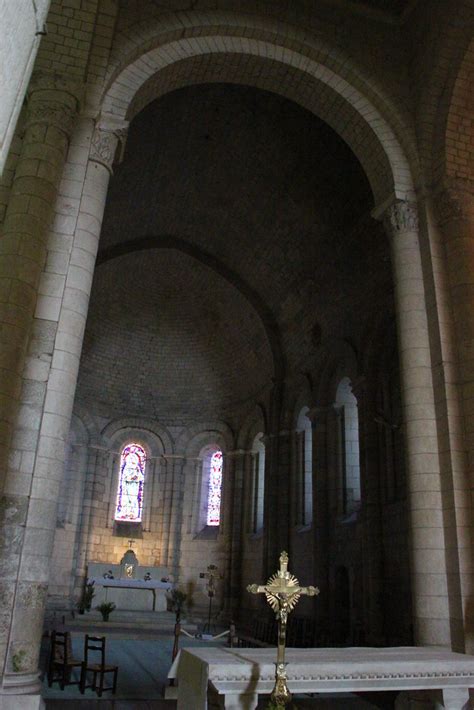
[{"x": 356, "y": 110}]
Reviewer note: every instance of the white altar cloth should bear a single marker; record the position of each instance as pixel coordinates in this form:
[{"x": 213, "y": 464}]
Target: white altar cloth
[
  {"x": 131, "y": 583},
  {"x": 123, "y": 593},
  {"x": 241, "y": 674}
]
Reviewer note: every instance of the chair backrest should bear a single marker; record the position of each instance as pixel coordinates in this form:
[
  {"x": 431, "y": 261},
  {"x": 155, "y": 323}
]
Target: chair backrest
[
  {"x": 94, "y": 643},
  {"x": 61, "y": 649}
]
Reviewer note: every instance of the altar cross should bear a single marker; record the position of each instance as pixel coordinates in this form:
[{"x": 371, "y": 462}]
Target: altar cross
[
  {"x": 210, "y": 575},
  {"x": 282, "y": 592},
  {"x": 130, "y": 543}
]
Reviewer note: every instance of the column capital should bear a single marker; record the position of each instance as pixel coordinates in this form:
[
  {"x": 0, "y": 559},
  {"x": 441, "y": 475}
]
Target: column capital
[
  {"x": 401, "y": 216},
  {"x": 108, "y": 134},
  {"x": 52, "y": 109},
  {"x": 53, "y": 99}
]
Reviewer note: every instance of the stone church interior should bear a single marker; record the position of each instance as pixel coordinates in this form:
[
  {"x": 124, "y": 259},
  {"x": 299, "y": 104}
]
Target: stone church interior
[{"x": 237, "y": 289}]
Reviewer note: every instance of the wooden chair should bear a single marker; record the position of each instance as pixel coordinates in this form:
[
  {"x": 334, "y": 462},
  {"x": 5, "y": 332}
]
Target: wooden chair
[
  {"x": 96, "y": 644},
  {"x": 61, "y": 660}
]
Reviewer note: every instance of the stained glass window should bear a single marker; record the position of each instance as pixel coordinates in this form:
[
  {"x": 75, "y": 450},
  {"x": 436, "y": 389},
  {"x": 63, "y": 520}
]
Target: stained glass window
[
  {"x": 214, "y": 490},
  {"x": 130, "y": 486}
]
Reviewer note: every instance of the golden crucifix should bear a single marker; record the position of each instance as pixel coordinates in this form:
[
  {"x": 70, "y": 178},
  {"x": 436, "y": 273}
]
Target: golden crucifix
[{"x": 283, "y": 592}]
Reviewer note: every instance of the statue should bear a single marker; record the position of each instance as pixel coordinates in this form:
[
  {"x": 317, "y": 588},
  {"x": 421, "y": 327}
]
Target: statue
[{"x": 129, "y": 563}]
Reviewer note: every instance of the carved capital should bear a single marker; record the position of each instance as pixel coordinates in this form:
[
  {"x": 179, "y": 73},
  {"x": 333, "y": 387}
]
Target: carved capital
[
  {"x": 52, "y": 112},
  {"x": 104, "y": 144},
  {"x": 53, "y": 99},
  {"x": 401, "y": 217}
]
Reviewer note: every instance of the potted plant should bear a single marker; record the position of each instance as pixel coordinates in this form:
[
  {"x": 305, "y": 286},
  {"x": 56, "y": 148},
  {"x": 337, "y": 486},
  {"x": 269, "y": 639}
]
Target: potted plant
[
  {"x": 106, "y": 608},
  {"x": 177, "y": 602},
  {"x": 88, "y": 594}
]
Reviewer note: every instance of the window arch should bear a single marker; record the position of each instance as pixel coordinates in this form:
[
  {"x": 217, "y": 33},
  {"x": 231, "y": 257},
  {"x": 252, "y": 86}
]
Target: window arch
[
  {"x": 129, "y": 502},
  {"x": 258, "y": 482},
  {"x": 304, "y": 469},
  {"x": 348, "y": 435}
]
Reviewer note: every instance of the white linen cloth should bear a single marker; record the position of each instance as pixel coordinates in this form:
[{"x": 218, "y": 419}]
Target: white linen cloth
[{"x": 127, "y": 583}]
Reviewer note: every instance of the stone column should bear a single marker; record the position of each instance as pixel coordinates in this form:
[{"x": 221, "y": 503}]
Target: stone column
[
  {"x": 176, "y": 513},
  {"x": 50, "y": 117},
  {"x": 370, "y": 514},
  {"x": 96, "y": 459},
  {"x": 454, "y": 214},
  {"x": 276, "y": 499},
  {"x": 36, "y": 516},
  {"x": 23, "y": 245},
  {"x": 274, "y": 535},
  {"x": 319, "y": 423},
  {"x": 427, "y": 535},
  {"x": 239, "y": 460}
]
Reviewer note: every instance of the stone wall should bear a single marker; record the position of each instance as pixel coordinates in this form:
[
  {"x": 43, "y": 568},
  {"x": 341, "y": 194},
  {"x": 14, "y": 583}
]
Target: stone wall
[{"x": 393, "y": 86}]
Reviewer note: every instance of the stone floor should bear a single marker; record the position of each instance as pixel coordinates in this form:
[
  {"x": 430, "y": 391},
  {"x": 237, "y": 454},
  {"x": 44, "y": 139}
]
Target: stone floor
[
  {"x": 336, "y": 703},
  {"x": 143, "y": 654},
  {"x": 110, "y": 705}
]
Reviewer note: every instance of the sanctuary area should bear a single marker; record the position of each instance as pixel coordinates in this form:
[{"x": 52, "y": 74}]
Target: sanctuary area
[{"x": 237, "y": 318}]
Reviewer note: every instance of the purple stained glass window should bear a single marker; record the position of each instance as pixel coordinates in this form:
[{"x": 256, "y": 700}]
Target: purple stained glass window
[
  {"x": 130, "y": 487},
  {"x": 214, "y": 491}
]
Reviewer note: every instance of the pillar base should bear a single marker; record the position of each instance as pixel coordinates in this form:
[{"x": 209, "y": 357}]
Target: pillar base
[
  {"x": 21, "y": 691},
  {"x": 21, "y": 702}
]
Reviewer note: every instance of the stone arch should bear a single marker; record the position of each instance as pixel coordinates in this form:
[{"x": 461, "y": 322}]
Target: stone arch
[
  {"x": 303, "y": 398},
  {"x": 341, "y": 361},
  {"x": 356, "y": 111},
  {"x": 81, "y": 414},
  {"x": 156, "y": 442},
  {"x": 156, "y": 437},
  {"x": 79, "y": 432},
  {"x": 255, "y": 422},
  {"x": 256, "y": 302},
  {"x": 192, "y": 440}
]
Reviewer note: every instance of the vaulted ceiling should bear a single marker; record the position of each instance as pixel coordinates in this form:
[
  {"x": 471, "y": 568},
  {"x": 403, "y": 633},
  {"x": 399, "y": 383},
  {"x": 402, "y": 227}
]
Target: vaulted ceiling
[{"x": 237, "y": 227}]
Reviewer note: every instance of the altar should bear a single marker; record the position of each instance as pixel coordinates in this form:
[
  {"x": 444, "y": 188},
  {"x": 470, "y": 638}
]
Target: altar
[
  {"x": 240, "y": 675},
  {"x": 130, "y": 586}
]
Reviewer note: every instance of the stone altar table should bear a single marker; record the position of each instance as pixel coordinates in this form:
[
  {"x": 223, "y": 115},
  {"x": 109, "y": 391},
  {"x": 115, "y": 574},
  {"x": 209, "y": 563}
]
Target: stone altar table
[
  {"x": 118, "y": 591},
  {"x": 239, "y": 675},
  {"x": 130, "y": 593}
]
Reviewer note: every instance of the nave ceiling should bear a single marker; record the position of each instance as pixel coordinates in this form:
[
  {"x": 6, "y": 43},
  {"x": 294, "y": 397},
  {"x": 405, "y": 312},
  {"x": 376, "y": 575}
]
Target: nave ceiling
[{"x": 237, "y": 240}]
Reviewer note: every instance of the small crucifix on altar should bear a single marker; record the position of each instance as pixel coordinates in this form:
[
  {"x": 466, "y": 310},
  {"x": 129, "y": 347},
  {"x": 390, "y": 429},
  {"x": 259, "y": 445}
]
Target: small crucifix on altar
[
  {"x": 131, "y": 543},
  {"x": 283, "y": 592}
]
